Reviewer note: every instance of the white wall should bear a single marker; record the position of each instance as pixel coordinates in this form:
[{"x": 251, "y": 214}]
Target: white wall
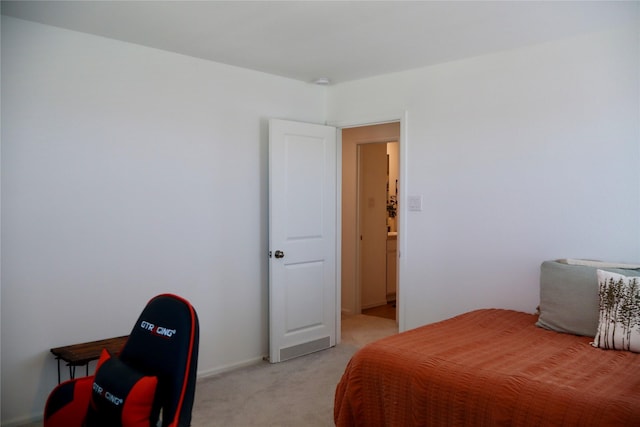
[
  {"x": 521, "y": 156},
  {"x": 128, "y": 172}
]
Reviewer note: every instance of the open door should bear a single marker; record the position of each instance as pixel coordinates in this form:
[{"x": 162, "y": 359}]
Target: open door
[{"x": 302, "y": 238}]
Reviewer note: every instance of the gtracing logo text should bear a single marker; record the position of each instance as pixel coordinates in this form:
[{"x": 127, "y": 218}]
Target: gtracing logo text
[
  {"x": 109, "y": 397},
  {"x": 157, "y": 330}
]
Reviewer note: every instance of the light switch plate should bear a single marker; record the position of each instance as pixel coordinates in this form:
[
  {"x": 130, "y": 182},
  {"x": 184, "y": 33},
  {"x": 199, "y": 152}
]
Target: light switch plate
[{"x": 415, "y": 203}]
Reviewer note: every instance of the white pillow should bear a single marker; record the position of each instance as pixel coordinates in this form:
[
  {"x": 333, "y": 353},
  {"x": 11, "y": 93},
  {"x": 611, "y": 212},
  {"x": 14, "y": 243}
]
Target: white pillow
[{"x": 619, "y": 321}]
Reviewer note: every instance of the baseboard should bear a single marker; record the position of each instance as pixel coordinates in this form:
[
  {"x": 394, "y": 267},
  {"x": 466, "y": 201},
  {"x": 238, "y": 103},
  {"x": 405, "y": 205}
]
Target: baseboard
[
  {"x": 375, "y": 304},
  {"x": 230, "y": 367},
  {"x": 24, "y": 420}
]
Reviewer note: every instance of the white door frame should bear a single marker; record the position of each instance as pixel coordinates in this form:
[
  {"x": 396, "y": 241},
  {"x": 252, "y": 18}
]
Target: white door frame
[{"x": 402, "y": 117}]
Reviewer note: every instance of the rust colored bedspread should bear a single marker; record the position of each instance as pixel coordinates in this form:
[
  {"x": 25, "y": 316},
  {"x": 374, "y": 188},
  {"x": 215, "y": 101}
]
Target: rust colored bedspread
[{"x": 488, "y": 368}]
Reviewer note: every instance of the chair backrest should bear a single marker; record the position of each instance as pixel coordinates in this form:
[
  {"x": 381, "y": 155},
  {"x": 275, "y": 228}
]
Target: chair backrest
[{"x": 164, "y": 343}]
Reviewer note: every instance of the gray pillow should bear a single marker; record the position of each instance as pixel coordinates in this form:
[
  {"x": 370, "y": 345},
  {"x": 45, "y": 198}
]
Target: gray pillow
[{"x": 569, "y": 299}]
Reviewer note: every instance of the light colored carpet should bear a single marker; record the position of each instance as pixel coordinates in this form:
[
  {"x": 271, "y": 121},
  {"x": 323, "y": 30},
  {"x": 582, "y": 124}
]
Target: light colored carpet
[
  {"x": 298, "y": 392},
  {"x": 359, "y": 330}
]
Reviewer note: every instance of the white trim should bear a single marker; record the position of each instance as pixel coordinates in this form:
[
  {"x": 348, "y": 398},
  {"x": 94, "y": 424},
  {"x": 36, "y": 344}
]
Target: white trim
[
  {"x": 338, "y": 260},
  {"x": 21, "y": 421},
  {"x": 230, "y": 367},
  {"x": 379, "y": 119},
  {"x": 402, "y": 219},
  {"x": 357, "y": 288}
]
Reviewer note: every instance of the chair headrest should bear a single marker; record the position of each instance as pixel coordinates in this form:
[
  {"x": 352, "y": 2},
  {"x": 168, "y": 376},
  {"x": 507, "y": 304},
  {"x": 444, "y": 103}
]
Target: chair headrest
[{"x": 164, "y": 343}]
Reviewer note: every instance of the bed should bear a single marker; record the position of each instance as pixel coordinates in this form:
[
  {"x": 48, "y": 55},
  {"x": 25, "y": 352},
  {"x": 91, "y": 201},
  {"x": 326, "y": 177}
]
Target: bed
[{"x": 493, "y": 367}]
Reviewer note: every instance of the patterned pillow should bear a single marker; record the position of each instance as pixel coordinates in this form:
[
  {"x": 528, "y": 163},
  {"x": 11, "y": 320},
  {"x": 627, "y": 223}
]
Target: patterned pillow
[
  {"x": 619, "y": 322},
  {"x": 121, "y": 396}
]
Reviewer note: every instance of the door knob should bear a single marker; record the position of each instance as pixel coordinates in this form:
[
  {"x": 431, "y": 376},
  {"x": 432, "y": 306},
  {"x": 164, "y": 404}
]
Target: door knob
[{"x": 279, "y": 254}]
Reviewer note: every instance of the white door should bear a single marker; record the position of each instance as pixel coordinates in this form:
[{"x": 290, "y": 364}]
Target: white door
[{"x": 302, "y": 238}]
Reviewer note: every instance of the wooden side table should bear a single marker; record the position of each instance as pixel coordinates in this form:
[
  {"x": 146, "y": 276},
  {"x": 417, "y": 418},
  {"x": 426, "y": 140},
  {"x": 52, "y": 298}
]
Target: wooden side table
[{"x": 83, "y": 353}]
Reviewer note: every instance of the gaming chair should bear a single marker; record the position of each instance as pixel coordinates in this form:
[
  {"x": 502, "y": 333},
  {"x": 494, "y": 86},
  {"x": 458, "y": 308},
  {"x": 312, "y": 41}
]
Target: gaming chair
[{"x": 153, "y": 378}]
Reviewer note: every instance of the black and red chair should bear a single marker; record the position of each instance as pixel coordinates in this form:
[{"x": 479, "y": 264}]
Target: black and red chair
[{"x": 152, "y": 381}]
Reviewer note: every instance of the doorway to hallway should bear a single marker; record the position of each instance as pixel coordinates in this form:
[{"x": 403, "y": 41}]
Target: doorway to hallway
[{"x": 369, "y": 219}]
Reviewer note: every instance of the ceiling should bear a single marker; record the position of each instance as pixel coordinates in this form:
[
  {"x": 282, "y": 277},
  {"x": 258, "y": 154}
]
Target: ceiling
[{"x": 340, "y": 40}]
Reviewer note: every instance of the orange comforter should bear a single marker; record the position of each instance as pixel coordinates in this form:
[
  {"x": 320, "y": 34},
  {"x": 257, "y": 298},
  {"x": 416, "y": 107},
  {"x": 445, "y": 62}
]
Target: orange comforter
[{"x": 488, "y": 368}]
